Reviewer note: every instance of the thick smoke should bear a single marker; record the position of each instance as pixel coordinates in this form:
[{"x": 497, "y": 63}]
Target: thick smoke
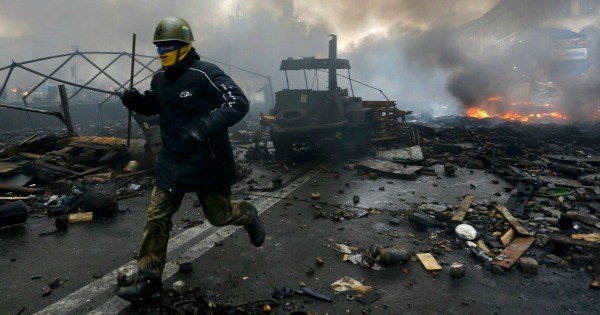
[
  {"x": 374, "y": 35},
  {"x": 474, "y": 75},
  {"x": 496, "y": 77}
]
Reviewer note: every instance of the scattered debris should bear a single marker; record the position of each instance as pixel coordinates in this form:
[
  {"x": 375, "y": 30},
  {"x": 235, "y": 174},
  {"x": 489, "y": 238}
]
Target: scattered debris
[
  {"x": 429, "y": 262},
  {"x": 392, "y": 255},
  {"x": 466, "y": 232},
  {"x": 80, "y": 217},
  {"x": 457, "y": 270},
  {"x": 348, "y": 284},
  {"x": 528, "y": 265},
  {"x": 185, "y": 264},
  {"x": 460, "y": 214},
  {"x": 179, "y": 287},
  {"x": 409, "y": 155},
  {"x": 511, "y": 254},
  {"x": 389, "y": 169},
  {"x": 13, "y": 213}
]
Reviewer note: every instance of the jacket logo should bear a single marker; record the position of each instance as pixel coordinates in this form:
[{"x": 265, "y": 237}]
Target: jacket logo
[{"x": 185, "y": 94}]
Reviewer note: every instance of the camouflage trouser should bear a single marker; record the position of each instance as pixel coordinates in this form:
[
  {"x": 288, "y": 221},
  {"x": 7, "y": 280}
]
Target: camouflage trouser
[{"x": 218, "y": 209}]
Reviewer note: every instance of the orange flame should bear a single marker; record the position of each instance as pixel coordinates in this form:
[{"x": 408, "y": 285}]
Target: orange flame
[
  {"x": 510, "y": 115},
  {"x": 477, "y": 113},
  {"x": 14, "y": 90}
]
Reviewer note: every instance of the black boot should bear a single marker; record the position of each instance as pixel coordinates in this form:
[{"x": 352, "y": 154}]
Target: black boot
[
  {"x": 142, "y": 290},
  {"x": 255, "y": 229}
]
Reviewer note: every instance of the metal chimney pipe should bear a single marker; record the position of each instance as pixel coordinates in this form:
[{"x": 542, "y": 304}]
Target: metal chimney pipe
[{"x": 332, "y": 62}]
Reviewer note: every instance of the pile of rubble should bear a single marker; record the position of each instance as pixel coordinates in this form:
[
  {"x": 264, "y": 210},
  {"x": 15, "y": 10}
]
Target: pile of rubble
[
  {"x": 70, "y": 178},
  {"x": 550, "y": 217}
]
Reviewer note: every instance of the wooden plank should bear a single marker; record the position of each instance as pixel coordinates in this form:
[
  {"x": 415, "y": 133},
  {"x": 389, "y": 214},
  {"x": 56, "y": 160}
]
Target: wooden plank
[
  {"x": 384, "y": 138},
  {"x": 7, "y": 168},
  {"x": 89, "y": 171},
  {"x": 460, "y": 214},
  {"x": 133, "y": 174},
  {"x": 591, "y": 221},
  {"x": 429, "y": 262},
  {"x": 25, "y": 190},
  {"x": 514, "y": 251},
  {"x": 64, "y": 151},
  {"x": 512, "y": 220},
  {"x": 92, "y": 146},
  {"x": 481, "y": 245},
  {"x": 592, "y": 237},
  {"x": 508, "y": 237},
  {"x": 562, "y": 239},
  {"x": 109, "y": 156},
  {"x": 10, "y": 150},
  {"x": 29, "y": 155},
  {"x": 13, "y": 198},
  {"x": 56, "y": 168}
]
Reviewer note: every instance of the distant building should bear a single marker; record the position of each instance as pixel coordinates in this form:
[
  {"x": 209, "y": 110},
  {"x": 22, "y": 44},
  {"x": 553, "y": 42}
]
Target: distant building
[
  {"x": 547, "y": 42},
  {"x": 510, "y": 18}
]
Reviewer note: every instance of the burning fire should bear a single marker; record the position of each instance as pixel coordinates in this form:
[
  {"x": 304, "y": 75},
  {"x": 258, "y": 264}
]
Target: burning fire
[
  {"x": 480, "y": 113},
  {"x": 526, "y": 110},
  {"x": 510, "y": 115},
  {"x": 477, "y": 113}
]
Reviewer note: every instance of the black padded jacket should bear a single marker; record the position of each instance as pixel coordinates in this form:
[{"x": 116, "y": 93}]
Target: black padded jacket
[{"x": 194, "y": 93}]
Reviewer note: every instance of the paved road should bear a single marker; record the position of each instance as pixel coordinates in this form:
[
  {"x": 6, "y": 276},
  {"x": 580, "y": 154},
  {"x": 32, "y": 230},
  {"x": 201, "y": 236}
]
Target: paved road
[{"x": 237, "y": 273}]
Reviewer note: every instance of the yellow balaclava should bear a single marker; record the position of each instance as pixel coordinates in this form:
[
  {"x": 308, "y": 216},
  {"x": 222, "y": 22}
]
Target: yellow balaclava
[{"x": 170, "y": 58}]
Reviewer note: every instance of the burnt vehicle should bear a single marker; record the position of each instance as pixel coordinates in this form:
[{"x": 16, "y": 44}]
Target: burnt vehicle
[{"x": 323, "y": 120}]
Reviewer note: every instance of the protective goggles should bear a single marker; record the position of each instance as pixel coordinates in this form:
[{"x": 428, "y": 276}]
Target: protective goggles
[{"x": 165, "y": 47}]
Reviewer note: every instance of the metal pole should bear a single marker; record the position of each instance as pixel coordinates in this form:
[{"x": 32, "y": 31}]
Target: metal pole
[
  {"x": 64, "y": 103},
  {"x": 93, "y": 78},
  {"x": 350, "y": 79},
  {"x": 101, "y": 70},
  {"x": 361, "y": 83},
  {"x": 31, "y": 110},
  {"x": 287, "y": 80},
  {"x": 305, "y": 78},
  {"x": 28, "y": 115},
  {"x": 131, "y": 87},
  {"x": 6, "y": 80},
  {"x": 51, "y": 74},
  {"x": 64, "y": 81}
]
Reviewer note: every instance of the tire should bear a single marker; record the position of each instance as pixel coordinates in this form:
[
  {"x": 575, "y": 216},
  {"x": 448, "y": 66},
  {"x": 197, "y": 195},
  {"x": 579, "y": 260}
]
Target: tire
[{"x": 292, "y": 117}]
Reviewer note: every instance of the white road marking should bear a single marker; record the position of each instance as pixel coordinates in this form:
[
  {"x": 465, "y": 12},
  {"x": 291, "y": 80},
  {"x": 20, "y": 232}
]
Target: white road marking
[{"x": 115, "y": 304}]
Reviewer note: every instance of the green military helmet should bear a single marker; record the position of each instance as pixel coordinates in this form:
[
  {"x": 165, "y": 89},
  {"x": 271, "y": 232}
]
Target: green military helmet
[{"x": 173, "y": 28}]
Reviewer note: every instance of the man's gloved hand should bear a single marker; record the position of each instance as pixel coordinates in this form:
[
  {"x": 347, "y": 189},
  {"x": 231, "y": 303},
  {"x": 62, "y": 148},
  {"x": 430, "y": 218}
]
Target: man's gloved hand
[
  {"x": 130, "y": 97},
  {"x": 192, "y": 134}
]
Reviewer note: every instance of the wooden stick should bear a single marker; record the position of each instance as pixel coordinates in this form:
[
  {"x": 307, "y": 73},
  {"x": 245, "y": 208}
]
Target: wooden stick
[
  {"x": 460, "y": 214},
  {"x": 512, "y": 220}
]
